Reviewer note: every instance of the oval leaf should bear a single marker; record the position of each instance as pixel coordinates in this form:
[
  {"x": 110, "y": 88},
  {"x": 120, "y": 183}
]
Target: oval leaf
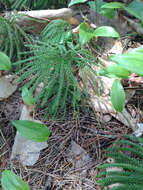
[
  {"x": 32, "y": 130},
  {"x": 106, "y": 31},
  {"x": 118, "y": 71},
  {"x": 73, "y": 2},
  {"x": 84, "y": 33},
  {"x": 132, "y": 61},
  {"x": 135, "y": 8},
  {"x": 97, "y": 6},
  {"x": 10, "y": 181},
  {"x": 27, "y": 97},
  {"x": 117, "y": 96},
  {"x": 113, "y": 5},
  {"x": 109, "y": 13},
  {"x": 5, "y": 63}
]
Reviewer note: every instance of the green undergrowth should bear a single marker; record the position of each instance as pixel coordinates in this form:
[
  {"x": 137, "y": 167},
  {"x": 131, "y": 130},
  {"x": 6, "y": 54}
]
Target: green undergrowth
[
  {"x": 32, "y": 4},
  {"x": 55, "y": 62},
  {"x": 13, "y": 37},
  {"x": 128, "y": 163}
]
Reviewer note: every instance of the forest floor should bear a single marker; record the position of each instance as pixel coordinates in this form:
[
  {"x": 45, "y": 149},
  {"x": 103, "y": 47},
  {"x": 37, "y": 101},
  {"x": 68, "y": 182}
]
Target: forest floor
[
  {"x": 73, "y": 142},
  {"x": 75, "y": 146}
]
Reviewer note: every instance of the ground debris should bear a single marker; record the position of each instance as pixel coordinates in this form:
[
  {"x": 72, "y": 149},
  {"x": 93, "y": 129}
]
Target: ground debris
[{"x": 7, "y": 88}]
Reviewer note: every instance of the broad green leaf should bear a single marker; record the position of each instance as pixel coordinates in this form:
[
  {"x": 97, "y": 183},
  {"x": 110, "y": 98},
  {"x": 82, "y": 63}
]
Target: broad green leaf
[
  {"x": 97, "y": 6},
  {"x": 73, "y": 2},
  {"x": 102, "y": 72},
  {"x": 136, "y": 50},
  {"x": 118, "y": 71},
  {"x": 114, "y": 71},
  {"x": 142, "y": 23},
  {"x": 10, "y": 181},
  {"x": 84, "y": 33},
  {"x": 27, "y": 97},
  {"x": 113, "y": 5},
  {"x": 106, "y": 31},
  {"x": 132, "y": 61},
  {"x": 32, "y": 130},
  {"x": 5, "y": 63},
  {"x": 93, "y": 6},
  {"x": 117, "y": 96},
  {"x": 109, "y": 13},
  {"x": 135, "y": 8}
]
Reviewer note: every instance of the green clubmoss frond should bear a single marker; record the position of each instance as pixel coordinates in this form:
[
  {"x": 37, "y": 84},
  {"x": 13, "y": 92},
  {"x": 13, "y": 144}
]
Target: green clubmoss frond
[
  {"x": 127, "y": 155},
  {"x": 12, "y": 38}
]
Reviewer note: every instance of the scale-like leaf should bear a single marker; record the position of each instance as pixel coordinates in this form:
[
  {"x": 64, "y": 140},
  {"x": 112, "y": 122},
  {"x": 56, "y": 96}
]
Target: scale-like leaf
[
  {"x": 10, "y": 181},
  {"x": 5, "y": 63},
  {"x": 132, "y": 61},
  {"x": 73, "y": 2},
  {"x": 57, "y": 31},
  {"x": 27, "y": 97},
  {"x": 32, "y": 130},
  {"x": 117, "y": 96}
]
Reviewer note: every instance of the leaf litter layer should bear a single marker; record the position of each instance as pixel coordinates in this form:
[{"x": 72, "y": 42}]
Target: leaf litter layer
[{"x": 55, "y": 169}]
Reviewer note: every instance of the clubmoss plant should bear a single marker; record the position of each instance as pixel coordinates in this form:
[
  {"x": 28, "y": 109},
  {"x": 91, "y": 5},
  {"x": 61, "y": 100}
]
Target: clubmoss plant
[
  {"x": 12, "y": 38},
  {"x": 127, "y": 155},
  {"x": 56, "y": 62}
]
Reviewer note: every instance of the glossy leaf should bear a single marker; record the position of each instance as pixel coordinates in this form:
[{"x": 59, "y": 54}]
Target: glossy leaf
[
  {"x": 106, "y": 31},
  {"x": 132, "y": 61},
  {"x": 113, "y": 5},
  {"x": 114, "y": 71},
  {"x": 109, "y": 13},
  {"x": 5, "y": 63},
  {"x": 32, "y": 130},
  {"x": 10, "y": 181},
  {"x": 27, "y": 97},
  {"x": 97, "y": 6},
  {"x": 93, "y": 6},
  {"x": 102, "y": 72},
  {"x": 136, "y": 50},
  {"x": 84, "y": 33},
  {"x": 73, "y": 2},
  {"x": 117, "y": 96},
  {"x": 135, "y": 8},
  {"x": 118, "y": 71}
]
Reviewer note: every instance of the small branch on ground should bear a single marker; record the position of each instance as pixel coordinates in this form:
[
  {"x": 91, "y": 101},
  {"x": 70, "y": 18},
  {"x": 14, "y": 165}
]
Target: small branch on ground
[{"x": 39, "y": 19}]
